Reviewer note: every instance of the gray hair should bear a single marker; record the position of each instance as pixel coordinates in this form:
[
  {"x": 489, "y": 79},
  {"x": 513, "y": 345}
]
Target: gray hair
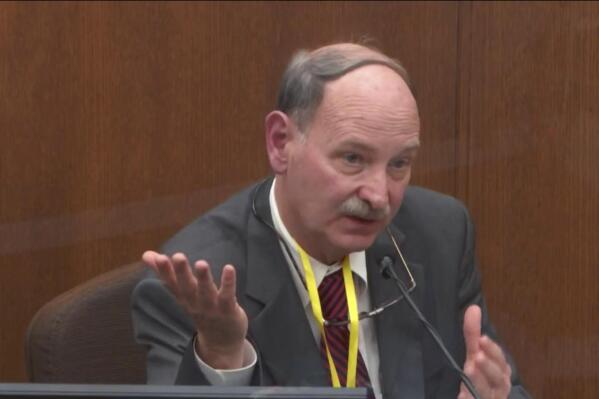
[{"x": 302, "y": 86}]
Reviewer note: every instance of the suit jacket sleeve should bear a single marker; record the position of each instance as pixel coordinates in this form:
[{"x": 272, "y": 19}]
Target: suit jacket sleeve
[{"x": 162, "y": 327}]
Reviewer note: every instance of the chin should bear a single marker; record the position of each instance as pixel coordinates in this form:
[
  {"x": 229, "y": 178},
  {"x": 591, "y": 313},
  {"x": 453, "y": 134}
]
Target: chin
[{"x": 355, "y": 243}]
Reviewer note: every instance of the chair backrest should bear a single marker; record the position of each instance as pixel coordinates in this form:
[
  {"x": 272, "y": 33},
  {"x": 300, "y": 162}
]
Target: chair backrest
[{"x": 85, "y": 335}]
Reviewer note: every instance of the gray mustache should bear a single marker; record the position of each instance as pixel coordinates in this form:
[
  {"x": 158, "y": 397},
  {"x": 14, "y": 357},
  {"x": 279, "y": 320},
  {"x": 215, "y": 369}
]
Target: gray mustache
[{"x": 356, "y": 207}]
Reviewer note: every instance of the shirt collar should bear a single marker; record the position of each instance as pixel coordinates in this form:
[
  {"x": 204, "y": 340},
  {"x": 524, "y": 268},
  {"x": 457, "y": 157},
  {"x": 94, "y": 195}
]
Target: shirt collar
[{"x": 357, "y": 259}]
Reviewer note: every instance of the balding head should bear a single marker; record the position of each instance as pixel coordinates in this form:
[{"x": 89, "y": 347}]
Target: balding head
[
  {"x": 302, "y": 87},
  {"x": 342, "y": 144}
]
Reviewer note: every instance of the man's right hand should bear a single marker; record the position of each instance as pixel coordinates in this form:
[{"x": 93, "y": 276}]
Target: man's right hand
[{"x": 220, "y": 322}]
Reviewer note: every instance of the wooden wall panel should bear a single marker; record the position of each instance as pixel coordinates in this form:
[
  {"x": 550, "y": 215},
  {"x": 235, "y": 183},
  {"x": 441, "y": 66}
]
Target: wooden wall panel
[
  {"x": 530, "y": 95},
  {"x": 120, "y": 122}
]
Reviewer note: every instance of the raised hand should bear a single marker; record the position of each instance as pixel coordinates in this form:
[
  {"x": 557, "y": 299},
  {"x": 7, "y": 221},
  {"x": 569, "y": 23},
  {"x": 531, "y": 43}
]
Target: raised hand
[
  {"x": 485, "y": 362},
  {"x": 220, "y": 322}
]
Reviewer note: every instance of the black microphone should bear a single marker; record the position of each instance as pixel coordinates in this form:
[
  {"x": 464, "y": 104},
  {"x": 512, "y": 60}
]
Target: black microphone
[{"x": 387, "y": 271}]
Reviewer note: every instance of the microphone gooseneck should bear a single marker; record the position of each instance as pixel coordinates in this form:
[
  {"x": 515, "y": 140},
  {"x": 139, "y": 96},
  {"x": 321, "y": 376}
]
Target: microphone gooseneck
[{"x": 387, "y": 271}]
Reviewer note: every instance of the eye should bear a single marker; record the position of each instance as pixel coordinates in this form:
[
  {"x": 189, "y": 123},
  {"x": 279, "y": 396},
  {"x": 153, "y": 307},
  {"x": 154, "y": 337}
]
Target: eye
[
  {"x": 399, "y": 163},
  {"x": 398, "y": 168},
  {"x": 352, "y": 158}
]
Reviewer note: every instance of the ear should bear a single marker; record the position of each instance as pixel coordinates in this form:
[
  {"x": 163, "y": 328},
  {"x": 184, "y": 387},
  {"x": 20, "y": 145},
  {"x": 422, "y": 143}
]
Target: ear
[{"x": 279, "y": 134}]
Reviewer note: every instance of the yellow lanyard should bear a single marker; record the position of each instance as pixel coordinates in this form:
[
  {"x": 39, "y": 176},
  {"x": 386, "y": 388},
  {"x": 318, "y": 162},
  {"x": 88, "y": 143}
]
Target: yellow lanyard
[{"x": 352, "y": 305}]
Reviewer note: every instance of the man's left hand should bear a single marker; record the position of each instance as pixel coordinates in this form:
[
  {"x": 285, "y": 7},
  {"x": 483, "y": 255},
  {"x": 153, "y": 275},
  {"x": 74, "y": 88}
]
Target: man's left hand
[{"x": 485, "y": 364}]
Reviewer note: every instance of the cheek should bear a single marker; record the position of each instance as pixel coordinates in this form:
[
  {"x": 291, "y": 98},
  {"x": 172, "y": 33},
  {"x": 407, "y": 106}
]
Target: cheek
[
  {"x": 328, "y": 192},
  {"x": 320, "y": 175},
  {"x": 326, "y": 187},
  {"x": 331, "y": 193},
  {"x": 396, "y": 193}
]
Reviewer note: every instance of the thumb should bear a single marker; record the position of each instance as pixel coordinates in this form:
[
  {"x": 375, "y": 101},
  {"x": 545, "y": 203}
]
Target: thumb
[{"x": 472, "y": 320}]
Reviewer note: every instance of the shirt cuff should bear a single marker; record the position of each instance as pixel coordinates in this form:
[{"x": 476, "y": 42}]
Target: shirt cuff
[{"x": 233, "y": 377}]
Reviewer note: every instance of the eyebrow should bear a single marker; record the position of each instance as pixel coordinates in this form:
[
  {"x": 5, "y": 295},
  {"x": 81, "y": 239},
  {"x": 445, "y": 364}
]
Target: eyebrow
[{"x": 410, "y": 146}]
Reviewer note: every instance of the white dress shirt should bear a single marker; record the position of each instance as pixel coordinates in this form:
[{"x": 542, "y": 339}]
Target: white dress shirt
[{"x": 367, "y": 343}]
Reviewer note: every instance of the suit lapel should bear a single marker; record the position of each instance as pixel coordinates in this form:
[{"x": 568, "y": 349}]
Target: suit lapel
[
  {"x": 398, "y": 329},
  {"x": 278, "y": 327}
]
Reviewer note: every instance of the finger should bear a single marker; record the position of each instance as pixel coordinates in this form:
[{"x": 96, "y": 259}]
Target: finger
[
  {"x": 499, "y": 376},
  {"x": 464, "y": 393},
  {"x": 207, "y": 291},
  {"x": 186, "y": 281},
  {"x": 149, "y": 259},
  {"x": 166, "y": 273},
  {"x": 226, "y": 294},
  {"x": 472, "y": 322},
  {"x": 477, "y": 378},
  {"x": 489, "y": 370},
  {"x": 494, "y": 352}
]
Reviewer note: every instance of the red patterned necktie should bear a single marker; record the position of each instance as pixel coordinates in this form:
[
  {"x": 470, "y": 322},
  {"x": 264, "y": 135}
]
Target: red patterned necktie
[{"x": 334, "y": 306}]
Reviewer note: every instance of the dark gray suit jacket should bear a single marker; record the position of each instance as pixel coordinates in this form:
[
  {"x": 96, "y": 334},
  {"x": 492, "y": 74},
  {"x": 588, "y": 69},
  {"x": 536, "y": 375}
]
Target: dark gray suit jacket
[{"x": 437, "y": 240}]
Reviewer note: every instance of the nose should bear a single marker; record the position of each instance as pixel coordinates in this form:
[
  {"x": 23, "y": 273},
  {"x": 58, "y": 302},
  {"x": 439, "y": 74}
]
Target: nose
[{"x": 374, "y": 190}]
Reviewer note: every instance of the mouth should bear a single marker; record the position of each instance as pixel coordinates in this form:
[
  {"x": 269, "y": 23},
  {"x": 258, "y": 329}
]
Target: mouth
[{"x": 362, "y": 222}]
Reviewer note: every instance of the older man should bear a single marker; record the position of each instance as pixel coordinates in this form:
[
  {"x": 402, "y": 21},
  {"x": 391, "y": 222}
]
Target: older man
[{"x": 298, "y": 257}]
